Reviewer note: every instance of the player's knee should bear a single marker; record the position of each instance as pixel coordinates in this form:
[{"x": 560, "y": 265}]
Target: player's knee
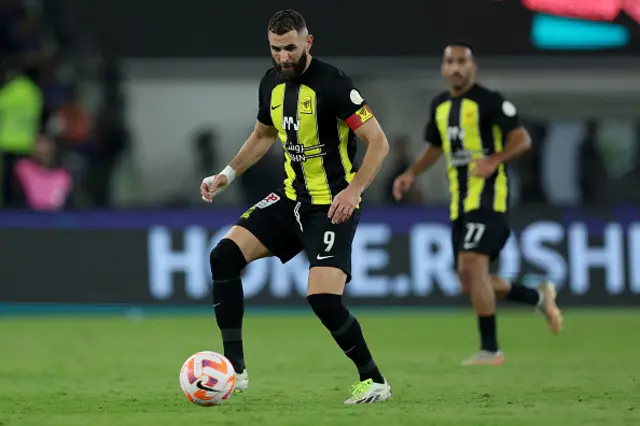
[
  {"x": 226, "y": 260},
  {"x": 329, "y": 280},
  {"x": 330, "y": 309}
]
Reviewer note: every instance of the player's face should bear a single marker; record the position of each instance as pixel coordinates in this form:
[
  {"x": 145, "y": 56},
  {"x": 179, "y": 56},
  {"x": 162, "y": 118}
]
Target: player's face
[
  {"x": 289, "y": 52},
  {"x": 458, "y": 67}
]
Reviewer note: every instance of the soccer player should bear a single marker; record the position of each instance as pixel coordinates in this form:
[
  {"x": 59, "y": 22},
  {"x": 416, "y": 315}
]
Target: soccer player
[
  {"x": 316, "y": 112},
  {"x": 478, "y": 130}
]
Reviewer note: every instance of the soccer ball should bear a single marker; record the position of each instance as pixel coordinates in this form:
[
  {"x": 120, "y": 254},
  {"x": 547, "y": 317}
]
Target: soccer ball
[{"x": 207, "y": 378}]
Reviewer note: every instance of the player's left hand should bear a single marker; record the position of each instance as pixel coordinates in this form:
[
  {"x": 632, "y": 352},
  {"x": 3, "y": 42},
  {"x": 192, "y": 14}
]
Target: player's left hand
[
  {"x": 344, "y": 204},
  {"x": 484, "y": 167}
]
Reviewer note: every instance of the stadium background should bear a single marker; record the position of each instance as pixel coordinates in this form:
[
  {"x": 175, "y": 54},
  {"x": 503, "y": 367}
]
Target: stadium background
[
  {"x": 102, "y": 300},
  {"x": 166, "y": 94}
]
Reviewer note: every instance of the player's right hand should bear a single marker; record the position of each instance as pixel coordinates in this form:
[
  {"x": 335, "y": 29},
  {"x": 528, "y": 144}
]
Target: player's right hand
[
  {"x": 213, "y": 185},
  {"x": 402, "y": 184}
]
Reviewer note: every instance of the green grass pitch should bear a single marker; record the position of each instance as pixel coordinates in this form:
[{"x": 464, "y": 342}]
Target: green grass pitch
[{"x": 99, "y": 371}]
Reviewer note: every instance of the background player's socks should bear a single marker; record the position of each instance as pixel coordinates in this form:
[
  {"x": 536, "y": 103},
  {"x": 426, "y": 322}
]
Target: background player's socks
[
  {"x": 227, "y": 262},
  {"x": 488, "y": 339},
  {"x": 347, "y": 333},
  {"x": 521, "y": 293}
]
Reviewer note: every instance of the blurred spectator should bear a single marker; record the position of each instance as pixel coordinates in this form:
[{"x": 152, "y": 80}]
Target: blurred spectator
[
  {"x": 204, "y": 148},
  {"x": 71, "y": 122},
  {"x": 21, "y": 109},
  {"x": 111, "y": 140},
  {"x": 400, "y": 160},
  {"x": 10, "y": 12},
  {"x": 38, "y": 183},
  {"x": 25, "y": 39},
  {"x": 54, "y": 92}
]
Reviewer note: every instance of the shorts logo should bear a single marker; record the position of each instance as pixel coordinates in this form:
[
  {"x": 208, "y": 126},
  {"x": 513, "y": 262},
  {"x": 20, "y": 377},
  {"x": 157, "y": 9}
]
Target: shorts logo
[
  {"x": 267, "y": 201},
  {"x": 306, "y": 105},
  {"x": 246, "y": 214},
  {"x": 323, "y": 257}
]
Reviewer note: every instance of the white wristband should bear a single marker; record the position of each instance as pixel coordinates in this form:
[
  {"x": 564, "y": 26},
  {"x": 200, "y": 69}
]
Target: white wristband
[{"x": 229, "y": 173}]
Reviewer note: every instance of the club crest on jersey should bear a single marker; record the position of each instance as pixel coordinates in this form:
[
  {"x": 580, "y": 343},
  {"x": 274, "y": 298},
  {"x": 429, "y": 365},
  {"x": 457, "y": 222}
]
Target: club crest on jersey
[{"x": 306, "y": 105}]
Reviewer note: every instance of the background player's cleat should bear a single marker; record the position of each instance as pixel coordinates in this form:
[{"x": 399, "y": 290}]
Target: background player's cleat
[
  {"x": 485, "y": 358},
  {"x": 369, "y": 392},
  {"x": 242, "y": 381},
  {"x": 547, "y": 305}
]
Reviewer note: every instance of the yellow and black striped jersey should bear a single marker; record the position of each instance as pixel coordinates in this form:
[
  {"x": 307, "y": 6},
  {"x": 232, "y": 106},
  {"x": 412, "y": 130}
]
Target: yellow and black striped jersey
[
  {"x": 467, "y": 128},
  {"x": 315, "y": 115}
]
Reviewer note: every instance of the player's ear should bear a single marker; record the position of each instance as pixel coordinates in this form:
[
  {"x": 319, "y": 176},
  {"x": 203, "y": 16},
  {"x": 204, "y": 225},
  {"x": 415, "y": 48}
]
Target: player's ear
[
  {"x": 309, "y": 42},
  {"x": 474, "y": 67}
]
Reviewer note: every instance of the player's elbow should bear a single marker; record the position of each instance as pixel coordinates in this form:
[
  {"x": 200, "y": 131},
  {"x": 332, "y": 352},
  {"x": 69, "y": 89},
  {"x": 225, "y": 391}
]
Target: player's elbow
[
  {"x": 525, "y": 140},
  {"x": 521, "y": 139},
  {"x": 384, "y": 147},
  {"x": 380, "y": 144}
]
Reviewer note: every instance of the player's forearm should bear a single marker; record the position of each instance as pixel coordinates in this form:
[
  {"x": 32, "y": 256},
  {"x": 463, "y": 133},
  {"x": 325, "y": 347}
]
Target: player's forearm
[
  {"x": 428, "y": 157},
  {"x": 519, "y": 142},
  {"x": 377, "y": 150},
  {"x": 251, "y": 152}
]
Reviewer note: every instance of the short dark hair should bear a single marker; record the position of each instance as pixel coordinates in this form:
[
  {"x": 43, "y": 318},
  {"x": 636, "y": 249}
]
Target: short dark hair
[
  {"x": 284, "y": 21},
  {"x": 461, "y": 43}
]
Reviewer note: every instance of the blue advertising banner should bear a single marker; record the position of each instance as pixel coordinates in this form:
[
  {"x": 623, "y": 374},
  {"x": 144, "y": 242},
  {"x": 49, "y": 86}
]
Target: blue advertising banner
[{"x": 401, "y": 257}]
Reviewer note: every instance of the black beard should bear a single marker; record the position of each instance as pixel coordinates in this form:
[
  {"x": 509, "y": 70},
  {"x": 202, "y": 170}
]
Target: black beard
[{"x": 298, "y": 68}]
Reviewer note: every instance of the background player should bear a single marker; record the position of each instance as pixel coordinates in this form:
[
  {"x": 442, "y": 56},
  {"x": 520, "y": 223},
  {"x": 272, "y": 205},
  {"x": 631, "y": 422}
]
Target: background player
[
  {"x": 314, "y": 109},
  {"x": 478, "y": 131}
]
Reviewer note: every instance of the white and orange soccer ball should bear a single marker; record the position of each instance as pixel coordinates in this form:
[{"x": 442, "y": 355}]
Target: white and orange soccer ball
[{"x": 207, "y": 378}]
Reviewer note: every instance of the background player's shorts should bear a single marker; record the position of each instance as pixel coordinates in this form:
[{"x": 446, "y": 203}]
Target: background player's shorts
[
  {"x": 480, "y": 231},
  {"x": 286, "y": 227}
]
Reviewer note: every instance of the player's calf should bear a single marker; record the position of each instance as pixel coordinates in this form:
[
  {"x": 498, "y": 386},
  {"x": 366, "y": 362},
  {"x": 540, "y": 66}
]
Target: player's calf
[
  {"x": 227, "y": 261},
  {"x": 514, "y": 291},
  {"x": 543, "y": 298},
  {"x": 326, "y": 302},
  {"x": 473, "y": 271}
]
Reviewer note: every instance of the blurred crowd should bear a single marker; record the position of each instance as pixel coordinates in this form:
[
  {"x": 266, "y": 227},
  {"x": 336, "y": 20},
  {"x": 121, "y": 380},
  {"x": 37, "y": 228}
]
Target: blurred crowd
[
  {"x": 56, "y": 151},
  {"x": 63, "y": 134}
]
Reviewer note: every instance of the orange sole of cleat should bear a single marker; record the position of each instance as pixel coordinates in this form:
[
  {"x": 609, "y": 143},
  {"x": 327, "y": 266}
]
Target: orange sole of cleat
[{"x": 496, "y": 360}]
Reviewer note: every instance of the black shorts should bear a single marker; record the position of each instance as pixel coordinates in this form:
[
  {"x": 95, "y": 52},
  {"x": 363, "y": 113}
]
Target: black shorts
[
  {"x": 287, "y": 227},
  {"x": 480, "y": 231}
]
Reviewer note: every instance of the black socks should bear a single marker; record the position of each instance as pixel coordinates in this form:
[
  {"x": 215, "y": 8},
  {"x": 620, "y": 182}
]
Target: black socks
[
  {"x": 228, "y": 302},
  {"x": 347, "y": 333},
  {"x": 488, "y": 337},
  {"x": 227, "y": 261},
  {"x": 521, "y": 293}
]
